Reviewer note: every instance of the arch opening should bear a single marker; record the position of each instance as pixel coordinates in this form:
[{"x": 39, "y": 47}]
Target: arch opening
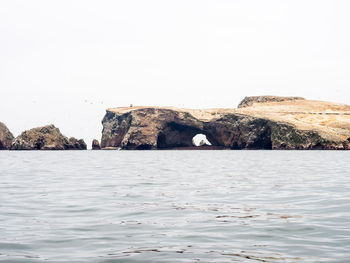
[
  {"x": 185, "y": 137},
  {"x": 200, "y": 139},
  {"x": 175, "y": 135}
]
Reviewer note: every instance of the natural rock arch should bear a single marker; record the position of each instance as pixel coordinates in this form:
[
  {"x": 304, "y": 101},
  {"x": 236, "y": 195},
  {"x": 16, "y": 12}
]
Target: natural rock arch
[
  {"x": 175, "y": 135},
  {"x": 167, "y": 128}
]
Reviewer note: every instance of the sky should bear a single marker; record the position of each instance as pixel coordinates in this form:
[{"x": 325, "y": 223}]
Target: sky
[{"x": 65, "y": 62}]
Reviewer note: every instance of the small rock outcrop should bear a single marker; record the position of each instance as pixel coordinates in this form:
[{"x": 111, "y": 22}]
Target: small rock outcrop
[
  {"x": 75, "y": 144},
  {"x": 46, "y": 138},
  {"x": 95, "y": 145},
  {"x": 287, "y": 123},
  {"x": 6, "y": 137},
  {"x": 250, "y": 100}
]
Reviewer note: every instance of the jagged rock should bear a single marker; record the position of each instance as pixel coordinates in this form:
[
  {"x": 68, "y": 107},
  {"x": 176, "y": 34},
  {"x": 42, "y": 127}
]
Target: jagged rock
[
  {"x": 96, "y": 145},
  {"x": 250, "y": 100},
  {"x": 46, "y": 138},
  {"x": 75, "y": 144},
  {"x": 6, "y": 137},
  {"x": 288, "y": 124}
]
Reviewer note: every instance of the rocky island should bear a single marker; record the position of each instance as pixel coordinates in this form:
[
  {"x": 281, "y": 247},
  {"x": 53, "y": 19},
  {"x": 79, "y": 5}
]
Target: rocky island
[
  {"x": 261, "y": 122},
  {"x": 46, "y": 138}
]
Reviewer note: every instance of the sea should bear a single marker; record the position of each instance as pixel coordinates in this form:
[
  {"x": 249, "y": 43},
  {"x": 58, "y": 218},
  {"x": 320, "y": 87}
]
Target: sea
[{"x": 174, "y": 206}]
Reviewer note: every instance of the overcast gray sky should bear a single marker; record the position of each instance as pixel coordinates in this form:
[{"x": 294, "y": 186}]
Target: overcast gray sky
[{"x": 65, "y": 62}]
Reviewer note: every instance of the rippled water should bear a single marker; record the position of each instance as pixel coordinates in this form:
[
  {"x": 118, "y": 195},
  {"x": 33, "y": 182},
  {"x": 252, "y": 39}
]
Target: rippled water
[{"x": 175, "y": 206}]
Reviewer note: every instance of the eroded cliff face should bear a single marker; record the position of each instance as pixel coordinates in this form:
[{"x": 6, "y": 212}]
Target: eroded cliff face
[
  {"x": 149, "y": 128},
  {"x": 235, "y": 131},
  {"x": 167, "y": 128},
  {"x": 6, "y": 137},
  {"x": 46, "y": 138}
]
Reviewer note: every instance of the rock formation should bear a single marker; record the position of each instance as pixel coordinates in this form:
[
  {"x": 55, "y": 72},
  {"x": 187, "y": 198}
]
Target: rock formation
[
  {"x": 250, "y": 100},
  {"x": 6, "y": 137},
  {"x": 96, "y": 145},
  {"x": 266, "y": 123},
  {"x": 46, "y": 138},
  {"x": 75, "y": 144}
]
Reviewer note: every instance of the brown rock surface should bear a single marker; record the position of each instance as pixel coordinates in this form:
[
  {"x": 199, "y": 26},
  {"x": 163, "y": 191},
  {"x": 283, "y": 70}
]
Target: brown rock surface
[
  {"x": 75, "y": 144},
  {"x": 46, "y": 138},
  {"x": 269, "y": 124},
  {"x": 96, "y": 145},
  {"x": 6, "y": 137},
  {"x": 250, "y": 100}
]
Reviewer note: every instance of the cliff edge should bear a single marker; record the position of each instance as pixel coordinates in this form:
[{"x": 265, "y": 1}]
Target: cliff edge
[{"x": 264, "y": 122}]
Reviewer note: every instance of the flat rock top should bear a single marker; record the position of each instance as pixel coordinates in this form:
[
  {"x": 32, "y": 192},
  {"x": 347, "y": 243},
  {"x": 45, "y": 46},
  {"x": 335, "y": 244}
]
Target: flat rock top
[
  {"x": 331, "y": 120},
  {"x": 201, "y": 114}
]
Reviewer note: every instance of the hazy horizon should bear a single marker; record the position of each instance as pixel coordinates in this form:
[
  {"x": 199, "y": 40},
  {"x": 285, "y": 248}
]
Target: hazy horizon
[{"x": 66, "y": 62}]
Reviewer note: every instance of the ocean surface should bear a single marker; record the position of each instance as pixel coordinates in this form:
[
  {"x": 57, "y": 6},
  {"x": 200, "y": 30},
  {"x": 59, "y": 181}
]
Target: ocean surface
[{"x": 175, "y": 206}]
